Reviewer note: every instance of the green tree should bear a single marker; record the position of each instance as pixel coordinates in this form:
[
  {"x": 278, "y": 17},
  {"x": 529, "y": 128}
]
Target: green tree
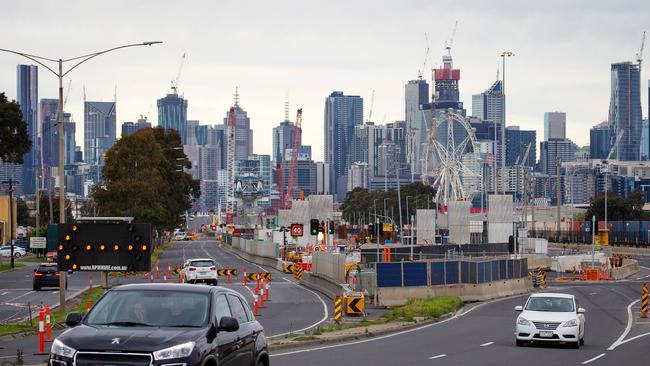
[
  {"x": 22, "y": 213},
  {"x": 142, "y": 181},
  {"x": 14, "y": 139},
  {"x": 44, "y": 209},
  {"x": 618, "y": 208}
]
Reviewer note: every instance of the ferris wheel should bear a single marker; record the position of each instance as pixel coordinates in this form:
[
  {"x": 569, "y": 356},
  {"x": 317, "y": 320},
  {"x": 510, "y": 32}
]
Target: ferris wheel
[{"x": 451, "y": 161}]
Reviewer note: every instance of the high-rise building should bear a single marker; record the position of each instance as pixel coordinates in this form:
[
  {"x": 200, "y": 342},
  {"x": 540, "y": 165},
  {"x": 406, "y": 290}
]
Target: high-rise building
[
  {"x": 645, "y": 140},
  {"x": 367, "y": 141},
  {"x": 322, "y": 178},
  {"x": 599, "y": 141},
  {"x": 306, "y": 176},
  {"x": 27, "y": 85},
  {"x": 342, "y": 114},
  {"x": 446, "y": 78},
  {"x": 99, "y": 130},
  {"x": 217, "y": 138},
  {"x": 553, "y": 149},
  {"x": 416, "y": 101},
  {"x": 358, "y": 176},
  {"x": 15, "y": 173},
  {"x": 243, "y": 132},
  {"x": 489, "y": 105},
  {"x": 554, "y": 125},
  {"x": 516, "y": 142},
  {"x": 265, "y": 170},
  {"x": 172, "y": 113},
  {"x": 197, "y": 134},
  {"x": 625, "y": 111},
  {"x": 283, "y": 136},
  {"x": 129, "y": 128}
]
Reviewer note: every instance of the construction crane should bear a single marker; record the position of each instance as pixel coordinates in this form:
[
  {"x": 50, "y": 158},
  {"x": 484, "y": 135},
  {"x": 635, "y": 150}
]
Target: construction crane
[
  {"x": 230, "y": 165},
  {"x": 426, "y": 56},
  {"x": 521, "y": 159},
  {"x": 293, "y": 166},
  {"x": 615, "y": 146},
  {"x": 639, "y": 55},
  {"x": 450, "y": 42},
  {"x": 174, "y": 83},
  {"x": 372, "y": 104}
]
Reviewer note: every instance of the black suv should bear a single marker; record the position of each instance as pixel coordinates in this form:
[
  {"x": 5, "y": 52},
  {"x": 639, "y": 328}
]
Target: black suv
[
  {"x": 163, "y": 324},
  {"x": 46, "y": 275}
]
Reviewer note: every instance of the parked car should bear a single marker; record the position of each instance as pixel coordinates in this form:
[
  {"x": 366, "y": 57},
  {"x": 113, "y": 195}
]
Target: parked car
[
  {"x": 551, "y": 317},
  {"x": 5, "y": 251},
  {"x": 163, "y": 324},
  {"x": 200, "y": 270},
  {"x": 181, "y": 236},
  {"x": 46, "y": 275}
]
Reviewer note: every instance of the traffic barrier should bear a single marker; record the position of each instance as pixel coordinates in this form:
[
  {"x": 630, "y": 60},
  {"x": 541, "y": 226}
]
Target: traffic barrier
[
  {"x": 151, "y": 277},
  {"x": 90, "y": 289},
  {"x": 245, "y": 277},
  {"x": 126, "y": 274},
  {"x": 41, "y": 332},
  {"x": 544, "y": 280},
  {"x": 266, "y": 276},
  {"x": 48, "y": 324},
  {"x": 253, "y": 277},
  {"x": 87, "y": 305},
  {"x": 164, "y": 277},
  {"x": 255, "y": 306},
  {"x": 267, "y": 291},
  {"x": 574, "y": 273},
  {"x": 262, "y": 297},
  {"x": 144, "y": 275},
  {"x": 182, "y": 278},
  {"x": 338, "y": 309},
  {"x": 297, "y": 272},
  {"x": 644, "y": 301}
]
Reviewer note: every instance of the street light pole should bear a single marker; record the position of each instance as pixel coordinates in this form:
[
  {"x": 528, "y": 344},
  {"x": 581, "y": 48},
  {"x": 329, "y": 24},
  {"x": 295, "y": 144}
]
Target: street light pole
[
  {"x": 503, "y": 125},
  {"x": 60, "y": 74}
]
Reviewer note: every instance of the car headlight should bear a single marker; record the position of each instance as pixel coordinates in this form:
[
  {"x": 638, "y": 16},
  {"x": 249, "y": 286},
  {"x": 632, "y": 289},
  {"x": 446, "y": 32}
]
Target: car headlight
[
  {"x": 571, "y": 323},
  {"x": 60, "y": 349},
  {"x": 179, "y": 351},
  {"x": 523, "y": 321}
]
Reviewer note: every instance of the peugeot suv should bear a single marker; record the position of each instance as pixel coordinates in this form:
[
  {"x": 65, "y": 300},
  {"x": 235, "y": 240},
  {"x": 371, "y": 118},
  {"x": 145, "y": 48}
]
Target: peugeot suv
[{"x": 163, "y": 324}]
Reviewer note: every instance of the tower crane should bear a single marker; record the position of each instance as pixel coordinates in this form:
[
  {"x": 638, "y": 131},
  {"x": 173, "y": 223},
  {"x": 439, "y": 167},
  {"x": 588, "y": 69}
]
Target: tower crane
[
  {"x": 293, "y": 166},
  {"x": 450, "y": 42},
  {"x": 174, "y": 82},
  {"x": 372, "y": 104},
  {"x": 426, "y": 56},
  {"x": 639, "y": 55},
  {"x": 230, "y": 165}
]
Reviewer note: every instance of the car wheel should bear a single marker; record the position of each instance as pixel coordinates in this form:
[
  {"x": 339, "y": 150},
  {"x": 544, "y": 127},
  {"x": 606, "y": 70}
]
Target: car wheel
[
  {"x": 575, "y": 345},
  {"x": 17, "y": 255},
  {"x": 520, "y": 343},
  {"x": 582, "y": 341}
]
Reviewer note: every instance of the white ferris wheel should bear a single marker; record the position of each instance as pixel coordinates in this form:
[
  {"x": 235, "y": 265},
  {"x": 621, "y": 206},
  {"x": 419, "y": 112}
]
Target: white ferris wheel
[{"x": 451, "y": 161}]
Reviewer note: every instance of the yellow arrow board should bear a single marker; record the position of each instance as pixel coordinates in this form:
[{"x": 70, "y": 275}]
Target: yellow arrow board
[
  {"x": 354, "y": 305},
  {"x": 266, "y": 276},
  {"x": 387, "y": 228},
  {"x": 253, "y": 276},
  {"x": 227, "y": 272}
]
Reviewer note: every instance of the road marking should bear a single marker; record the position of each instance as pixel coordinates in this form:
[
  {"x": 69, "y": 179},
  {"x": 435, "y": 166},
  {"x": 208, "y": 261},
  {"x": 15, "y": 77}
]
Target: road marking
[
  {"x": 210, "y": 256},
  {"x": 620, "y": 339},
  {"x": 593, "y": 359},
  {"x": 438, "y": 356},
  {"x": 325, "y": 312},
  {"x": 643, "y": 323},
  {"x": 640, "y": 278},
  {"x": 18, "y": 297},
  {"x": 487, "y": 344},
  {"x": 635, "y": 337},
  {"x": 594, "y": 293},
  {"x": 4, "y": 293}
]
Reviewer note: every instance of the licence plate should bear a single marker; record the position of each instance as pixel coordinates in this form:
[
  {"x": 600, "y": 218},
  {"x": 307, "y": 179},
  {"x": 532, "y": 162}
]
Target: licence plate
[{"x": 546, "y": 334}]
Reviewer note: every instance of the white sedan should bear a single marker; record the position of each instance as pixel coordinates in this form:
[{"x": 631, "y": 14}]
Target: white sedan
[
  {"x": 200, "y": 270},
  {"x": 5, "y": 251},
  {"x": 550, "y": 317}
]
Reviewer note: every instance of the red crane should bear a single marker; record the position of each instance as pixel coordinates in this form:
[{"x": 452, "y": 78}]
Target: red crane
[{"x": 293, "y": 167}]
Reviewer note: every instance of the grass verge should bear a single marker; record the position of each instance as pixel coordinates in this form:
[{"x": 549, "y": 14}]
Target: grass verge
[
  {"x": 7, "y": 266},
  {"x": 33, "y": 259},
  {"x": 157, "y": 252},
  {"x": 77, "y": 304}
]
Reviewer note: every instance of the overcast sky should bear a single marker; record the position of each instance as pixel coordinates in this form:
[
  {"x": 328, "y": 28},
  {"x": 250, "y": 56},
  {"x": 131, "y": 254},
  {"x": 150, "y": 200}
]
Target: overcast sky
[{"x": 311, "y": 48}]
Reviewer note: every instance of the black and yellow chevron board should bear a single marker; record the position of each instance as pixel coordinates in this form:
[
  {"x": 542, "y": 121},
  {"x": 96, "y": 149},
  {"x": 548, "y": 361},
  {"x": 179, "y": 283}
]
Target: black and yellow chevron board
[
  {"x": 288, "y": 267},
  {"x": 644, "y": 301},
  {"x": 338, "y": 309}
]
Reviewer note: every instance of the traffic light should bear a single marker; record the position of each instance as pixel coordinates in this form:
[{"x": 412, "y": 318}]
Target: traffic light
[
  {"x": 331, "y": 228},
  {"x": 371, "y": 229},
  {"x": 314, "y": 226},
  {"x": 214, "y": 227}
]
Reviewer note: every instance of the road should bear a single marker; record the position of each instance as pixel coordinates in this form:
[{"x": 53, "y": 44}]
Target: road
[
  {"x": 291, "y": 307},
  {"x": 483, "y": 335}
]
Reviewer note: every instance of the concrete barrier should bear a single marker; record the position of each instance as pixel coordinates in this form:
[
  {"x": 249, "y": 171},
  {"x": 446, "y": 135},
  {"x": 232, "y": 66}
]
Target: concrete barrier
[
  {"x": 396, "y": 296},
  {"x": 614, "y": 249},
  {"x": 329, "y": 266},
  {"x": 321, "y": 284},
  {"x": 629, "y": 267},
  {"x": 564, "y": 263},
  {"x": 538, "y": 260}
]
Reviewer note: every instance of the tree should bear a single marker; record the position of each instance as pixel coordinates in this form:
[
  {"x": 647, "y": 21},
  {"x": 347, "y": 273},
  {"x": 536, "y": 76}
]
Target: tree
[
  {"x": 142, "y": 181},
  {"x": 14, "y": 139},
  {"x": 618, "y": 208},
  {"x": 22, "y": 213},
  {"x": 44, "y": 211}
]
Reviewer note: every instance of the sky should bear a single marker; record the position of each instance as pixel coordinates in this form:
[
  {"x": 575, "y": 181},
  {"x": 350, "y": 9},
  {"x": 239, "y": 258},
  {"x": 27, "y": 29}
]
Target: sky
[{"x": 307, "y": 49}]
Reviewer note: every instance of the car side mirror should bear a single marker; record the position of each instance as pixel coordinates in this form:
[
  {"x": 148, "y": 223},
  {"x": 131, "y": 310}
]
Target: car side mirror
[
  {"x": 73, "y": 319},
  {"x": 519, "y": 308},
  {"x": 228, "y": 324},
  {"x": 581, "y": 310}
]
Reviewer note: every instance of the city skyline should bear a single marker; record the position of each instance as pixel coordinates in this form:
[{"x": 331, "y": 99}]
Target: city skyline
[{"x": 266, "y": 59}]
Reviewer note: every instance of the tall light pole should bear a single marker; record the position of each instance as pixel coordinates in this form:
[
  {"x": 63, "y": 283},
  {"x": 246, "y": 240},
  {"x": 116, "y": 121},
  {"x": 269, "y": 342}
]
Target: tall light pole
[
  {"x": 504, "y": 54},
  {"x": 60, "y": 74},
  {"x": 409, "y": 221}
]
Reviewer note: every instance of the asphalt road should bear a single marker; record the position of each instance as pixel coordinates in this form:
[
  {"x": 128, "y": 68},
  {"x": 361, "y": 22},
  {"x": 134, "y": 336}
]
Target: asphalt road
[
  {"x": 484, "y": 335},
  {"x": 291, "y": 307}
]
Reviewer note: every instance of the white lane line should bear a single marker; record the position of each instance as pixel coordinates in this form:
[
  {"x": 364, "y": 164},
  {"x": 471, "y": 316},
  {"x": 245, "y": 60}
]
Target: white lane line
[
  {"x": 325, "y": 312},
  {"x": 634, "y": 338},
  {"x": 18, "y": 297},
  {"x": 627, "y": 328},
  {"x": 593, "y": 293},
  {"x": 487, "y": 344},
  {"x": 438, "y": 356},
  {"x": 210, "y": 256},
  {"x": 220, "y": 246},
  {"x": 593, "y": 359},
  {"x": 4, "y": 293},
  {"x": 640, "y": 278}
]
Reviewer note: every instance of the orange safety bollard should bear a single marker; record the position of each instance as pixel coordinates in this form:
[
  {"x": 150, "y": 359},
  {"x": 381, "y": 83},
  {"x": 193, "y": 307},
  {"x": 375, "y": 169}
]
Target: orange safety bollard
[
  {"x": 151, "y": 277},
  {"x": 48, "y": 324},
  {"x": 245, "y": 281},
  {"x": 87, "y": 305},
  {"x": 126, "y": 274},
  {"x": 262, "y": 297},
  {"x": 41, "y": 332},
  {"x": 255, "y": 306},
  {"x": 90, "y": 289},
  {"x": 228, "y": 271},
  {"x": 164, "y": 277},
  {"x": 267, "y": 291},
  {"x": 144, "y": 275}
]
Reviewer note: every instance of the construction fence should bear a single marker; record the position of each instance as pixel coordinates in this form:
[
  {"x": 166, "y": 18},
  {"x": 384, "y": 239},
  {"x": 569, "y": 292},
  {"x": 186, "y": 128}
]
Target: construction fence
[
  {"x": 371, "y": 253},
  {"x": 256, "y": 247},
  {"x": 449, "y": 272}
]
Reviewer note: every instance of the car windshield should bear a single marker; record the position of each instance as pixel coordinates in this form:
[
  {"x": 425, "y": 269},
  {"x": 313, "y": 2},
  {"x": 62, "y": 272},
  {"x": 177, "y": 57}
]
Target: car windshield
[
  {"x": 201, "y": 263},
  {"x": 551, "y": 304},
  {"x": 151, "y": 308}
]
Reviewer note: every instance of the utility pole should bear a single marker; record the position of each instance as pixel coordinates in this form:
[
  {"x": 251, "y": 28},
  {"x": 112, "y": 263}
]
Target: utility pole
[
  {"x": 558, "y": 165},
  {"x": 10, "y": 190}
]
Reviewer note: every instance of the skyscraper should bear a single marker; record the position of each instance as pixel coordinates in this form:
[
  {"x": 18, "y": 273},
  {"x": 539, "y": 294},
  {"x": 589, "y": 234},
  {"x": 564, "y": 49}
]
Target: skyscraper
[
  {"x": 554, "y": 125},
  {"x": 243, "y": 132},
  {"x": 342, "y": 113},
  {"x": 172, "y": 113},
  {"x": 516, "y": 142},
  {"x": 283, "y": 136},
  {"x": 599, "y": 141},
  {"x": 99, "y": 131},
  {"x": 416, "y": 100},
  {"x": 488, "y": 106},
  {"x": 625, "y": 111},
  {"x": 27, "y": 85},
  {"x": 131, "y": 127},
  {"x": 553, "y": 149}
]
